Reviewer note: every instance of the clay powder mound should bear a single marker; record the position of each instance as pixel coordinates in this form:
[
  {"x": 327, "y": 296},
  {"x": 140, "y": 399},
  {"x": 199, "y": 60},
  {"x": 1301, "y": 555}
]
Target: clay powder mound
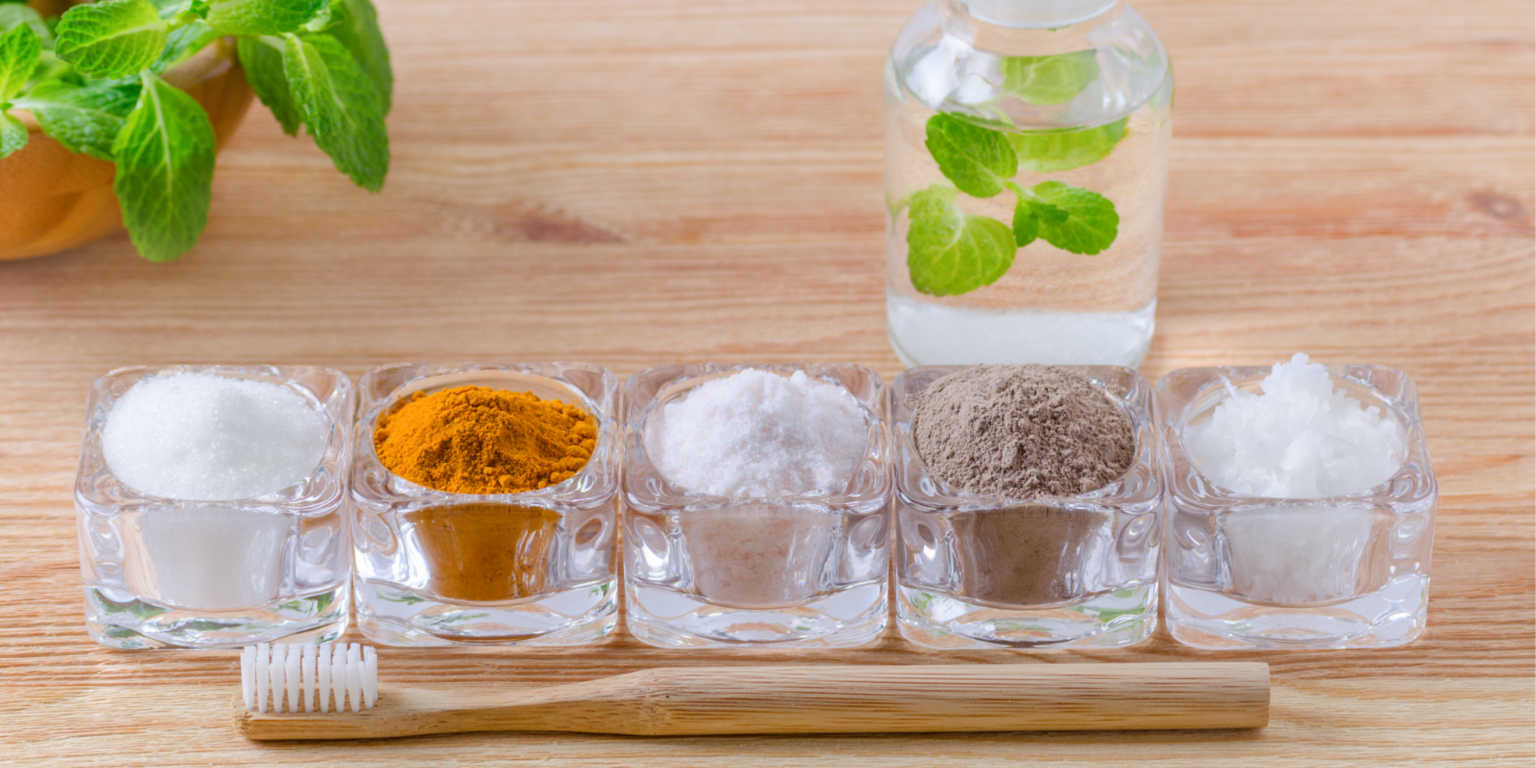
[{"x": 1020, "y": 431}]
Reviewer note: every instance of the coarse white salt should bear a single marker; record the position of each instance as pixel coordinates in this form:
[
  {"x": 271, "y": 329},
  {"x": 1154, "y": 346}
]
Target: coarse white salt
[
  {"x": 1302, "y": 438},
  {"x": 758, "y": 434},
  {"x": 200, "y": 436}
]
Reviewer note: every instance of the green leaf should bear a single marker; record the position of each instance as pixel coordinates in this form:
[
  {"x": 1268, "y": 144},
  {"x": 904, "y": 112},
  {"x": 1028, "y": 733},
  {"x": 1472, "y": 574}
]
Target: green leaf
[
  {"x": 20, "y": 51},
  {"x": 340, "y": 106},
  {"x": 113, "y": 38},
  {"x": 1073, "y": 219},
  {"x": 978, "y": 160},
  {"x": 1026, "y": 225},
  {"x": 13, "y": 135},
  {"x": 1048, "y": 80},
  {"x": 85, "y": 119},
  {"x": 263, "y": 67},
  {"x": 182, "y": 44},
  {"x": 164, "y": 171},
  {"x": 12, "y": 15},
  {"x": 950, "y": 251},
  {"x": 261, "y": 17},
  {"x": 1046, "y": 151},
  {"x": 355, "y": 24}
]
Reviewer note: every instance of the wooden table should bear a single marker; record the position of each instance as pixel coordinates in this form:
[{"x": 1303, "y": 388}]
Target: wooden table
[{"x": 641, "y": 182}]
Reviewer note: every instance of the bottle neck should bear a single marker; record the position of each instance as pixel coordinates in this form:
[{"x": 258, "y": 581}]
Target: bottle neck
[{"x": 1035, "y": 14}]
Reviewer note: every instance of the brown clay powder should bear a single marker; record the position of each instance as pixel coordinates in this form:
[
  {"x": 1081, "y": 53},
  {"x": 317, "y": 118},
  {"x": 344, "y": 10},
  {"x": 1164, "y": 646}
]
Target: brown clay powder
[
  {"x": 1018, "y": 432},
  {"x": 1021, "y": 431}
]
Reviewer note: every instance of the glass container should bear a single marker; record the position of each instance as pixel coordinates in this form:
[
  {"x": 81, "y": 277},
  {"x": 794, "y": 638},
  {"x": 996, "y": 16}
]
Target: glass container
[
  {"x": 1276, "y": 573},
  {"x": 1026, "y": 148},
  {"x": 1051, "y": 571},
  {"x": 705, "y": 570},
  {"x": 533, "y": 568},
  {"x": 161, "y": 572}
]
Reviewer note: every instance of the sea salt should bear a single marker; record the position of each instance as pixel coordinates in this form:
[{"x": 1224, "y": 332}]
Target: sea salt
[
  {"x": 1301, "y": 438},
  {"x": 206, "y": 437},
  {"x": 759, "y": 434}
]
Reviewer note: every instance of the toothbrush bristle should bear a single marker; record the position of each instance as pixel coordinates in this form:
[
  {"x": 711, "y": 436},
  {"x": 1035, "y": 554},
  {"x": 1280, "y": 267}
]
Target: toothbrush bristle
[{"x": 308, "y": 677}]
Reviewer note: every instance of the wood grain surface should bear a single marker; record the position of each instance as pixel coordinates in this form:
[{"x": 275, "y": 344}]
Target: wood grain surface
[{"x": 634, "y": 183}]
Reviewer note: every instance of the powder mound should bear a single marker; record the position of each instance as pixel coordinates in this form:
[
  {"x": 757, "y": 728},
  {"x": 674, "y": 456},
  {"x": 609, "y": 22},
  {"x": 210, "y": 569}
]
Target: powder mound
[
  {"x": 758, "y": 434},
  {"x": 1300, "y": 438},
  {"x": 212, "y": 438},
  {"x": 1021, "y": 431},
  {"x": 483, "y": 440}
]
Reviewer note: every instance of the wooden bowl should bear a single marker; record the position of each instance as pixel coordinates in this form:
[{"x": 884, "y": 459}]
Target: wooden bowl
[{"x": 52, "y": 199}]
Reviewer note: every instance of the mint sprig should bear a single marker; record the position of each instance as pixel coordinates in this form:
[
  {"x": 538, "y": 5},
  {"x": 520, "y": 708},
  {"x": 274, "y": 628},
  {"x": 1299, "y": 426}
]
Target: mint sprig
[
  {"x": 93, "y": 83},
  {"x": 950, "y": 251},
  {"x": 164, "y": 183},
  {"x": 113, "y": 38},
  {"x": 340, "y": 106},
  {"x": 261, "y": 17}
]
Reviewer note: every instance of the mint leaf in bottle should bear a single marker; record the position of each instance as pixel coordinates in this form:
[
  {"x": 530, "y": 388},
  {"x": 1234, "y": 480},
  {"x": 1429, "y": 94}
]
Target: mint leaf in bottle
[
  {"x": 113, "y": 38},
  {"x": 20, "y": 50},
  {"x": 261, "y": 17},
  {"x": 978, "y": 160},
  {"x": 1049, "y": 80},
  {"x": 340, "y": 106},
  {"x": 1063, "y": 150},
  {"x": 1073, "y": 219},
  {"x": 164, "y": 183},
  {"x": 13, "y": 135},
  {"x": 84, "y": 118},
  {"x": 950, "y": 251}
]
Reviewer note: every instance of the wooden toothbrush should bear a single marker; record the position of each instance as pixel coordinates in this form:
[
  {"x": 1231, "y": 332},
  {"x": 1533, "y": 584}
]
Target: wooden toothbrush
[{"x": 765, "y": 698}]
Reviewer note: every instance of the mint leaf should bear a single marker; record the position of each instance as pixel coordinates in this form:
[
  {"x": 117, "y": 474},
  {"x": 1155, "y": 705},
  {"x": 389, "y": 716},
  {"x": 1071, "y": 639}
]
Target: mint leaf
[
  {"x": 11, "y": 15},
  {"x": 13, "y": 135},
  {"x": 261, "y": 17},
  {"x": 112, "y": 38},
  {"x": 978, "y": 160},
  {"x": 1048, "y": 80},
  {"x": 164, "y": 179},
  {"x": 951, "y": 252},
  {"x": 182, "y": 44},
  {"x": 20, "y": 50},
  {"x": 1026, "y": 225},
  {"x": 1073, "y": 219},
  {"x": 355, "y": 24},
  {"x": 263, "y": 65},
  {"x": 340, "y": 106},
  {"x": 1046, "y": 151},
  {"x": 84, "y": 118}
]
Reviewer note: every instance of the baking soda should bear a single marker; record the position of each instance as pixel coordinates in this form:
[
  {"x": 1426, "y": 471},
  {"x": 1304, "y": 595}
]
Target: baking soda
[
  {"x": 1301, "y": 438},
  {"x": 206, "y": 437},
  {"x": 758, "y": 434}
]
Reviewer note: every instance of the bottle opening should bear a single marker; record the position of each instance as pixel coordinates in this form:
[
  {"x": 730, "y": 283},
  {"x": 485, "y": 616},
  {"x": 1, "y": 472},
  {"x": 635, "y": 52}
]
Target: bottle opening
[{"x": 1036, "y": 14}]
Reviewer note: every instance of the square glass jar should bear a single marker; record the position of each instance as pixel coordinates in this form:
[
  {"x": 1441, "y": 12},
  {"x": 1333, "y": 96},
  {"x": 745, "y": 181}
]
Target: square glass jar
[
  {"x": 533, "y": 568},
  {"x": 1245, "y": 572},
  {"x": 1050, "y": 571},
  {"x": 703, "y": 570},
  {"x": 172, "y": 573}
]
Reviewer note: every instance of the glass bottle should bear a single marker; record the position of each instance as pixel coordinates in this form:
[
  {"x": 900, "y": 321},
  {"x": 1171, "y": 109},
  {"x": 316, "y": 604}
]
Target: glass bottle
[{"x": 1026, "y": 150}]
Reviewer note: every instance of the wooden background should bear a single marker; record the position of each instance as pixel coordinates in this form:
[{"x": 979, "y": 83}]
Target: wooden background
[{"x": 634, "y": 183}]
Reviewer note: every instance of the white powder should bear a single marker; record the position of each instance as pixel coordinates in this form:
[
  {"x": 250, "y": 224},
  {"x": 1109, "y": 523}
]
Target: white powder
[
  {"x": 211, "y": 438},
  {"x": 1300, "y": 439},
  {"x": 758, "y": 434}
]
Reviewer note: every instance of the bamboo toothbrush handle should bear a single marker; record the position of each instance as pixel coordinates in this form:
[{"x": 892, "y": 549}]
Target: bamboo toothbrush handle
[{"x": 822, "y": 698}]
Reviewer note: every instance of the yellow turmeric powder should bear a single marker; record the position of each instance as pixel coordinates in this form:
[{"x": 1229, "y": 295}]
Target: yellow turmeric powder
[{"x": 482, "y": 440}]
